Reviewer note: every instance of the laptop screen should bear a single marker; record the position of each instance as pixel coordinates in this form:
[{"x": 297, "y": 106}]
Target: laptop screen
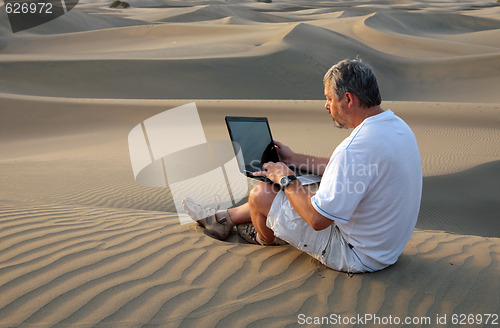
[{"x": 253, "y": 136}]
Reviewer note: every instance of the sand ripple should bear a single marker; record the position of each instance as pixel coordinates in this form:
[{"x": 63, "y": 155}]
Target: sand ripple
[{"x": 87, "y": 266}]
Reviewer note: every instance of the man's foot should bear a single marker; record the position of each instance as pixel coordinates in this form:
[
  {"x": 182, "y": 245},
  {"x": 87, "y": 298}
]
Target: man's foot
[
  {"x": 217, "y": 223},
  {"x": 248, "y": 232},
  {"x": 276, "y": 242}
]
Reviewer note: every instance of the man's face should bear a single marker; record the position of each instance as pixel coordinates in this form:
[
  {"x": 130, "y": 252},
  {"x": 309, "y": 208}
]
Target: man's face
[{"x": 334, "y": 106}]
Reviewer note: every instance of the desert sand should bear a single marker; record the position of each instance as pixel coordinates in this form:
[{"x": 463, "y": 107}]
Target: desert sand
[{"x": 82, "y": 244}]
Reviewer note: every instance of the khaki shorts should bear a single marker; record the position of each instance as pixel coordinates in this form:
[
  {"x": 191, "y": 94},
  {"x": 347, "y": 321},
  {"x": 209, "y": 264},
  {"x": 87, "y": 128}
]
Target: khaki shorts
[{"x": 328, "y": 245}]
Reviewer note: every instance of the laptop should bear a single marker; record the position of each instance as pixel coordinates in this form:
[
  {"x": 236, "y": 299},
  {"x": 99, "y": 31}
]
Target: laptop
[{"x": 253, "y": 146}]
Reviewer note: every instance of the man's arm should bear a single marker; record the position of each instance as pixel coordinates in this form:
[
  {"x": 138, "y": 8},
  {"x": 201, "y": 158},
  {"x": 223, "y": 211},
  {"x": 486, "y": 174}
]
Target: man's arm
[
  {"x": 299, "y": 196},
  {"x": 303, "y": 162}
]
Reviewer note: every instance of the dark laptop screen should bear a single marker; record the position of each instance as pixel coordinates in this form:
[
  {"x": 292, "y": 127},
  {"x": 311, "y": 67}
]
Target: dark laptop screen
[{"x": 253, "y": 135}]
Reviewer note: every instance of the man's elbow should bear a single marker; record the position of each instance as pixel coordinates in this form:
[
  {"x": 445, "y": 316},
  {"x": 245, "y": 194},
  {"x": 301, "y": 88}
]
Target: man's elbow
[
  {"x": 320, "y": 223},
  {"x": 316, "y": 220}
]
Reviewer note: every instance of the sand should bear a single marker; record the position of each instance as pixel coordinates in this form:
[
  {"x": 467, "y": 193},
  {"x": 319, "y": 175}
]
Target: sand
[{"x": 82, "y": 244}]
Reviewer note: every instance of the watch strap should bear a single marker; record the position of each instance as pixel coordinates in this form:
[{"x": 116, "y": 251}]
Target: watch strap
[{"x": 290, "y": 179}]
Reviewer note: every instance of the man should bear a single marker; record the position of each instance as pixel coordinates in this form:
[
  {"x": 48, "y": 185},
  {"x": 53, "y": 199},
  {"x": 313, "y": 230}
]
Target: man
[{"x": 367, "y": 203}]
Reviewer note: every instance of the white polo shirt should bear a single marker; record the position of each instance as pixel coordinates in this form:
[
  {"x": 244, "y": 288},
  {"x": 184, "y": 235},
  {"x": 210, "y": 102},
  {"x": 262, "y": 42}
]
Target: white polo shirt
[{"x": 372, "y": 188}]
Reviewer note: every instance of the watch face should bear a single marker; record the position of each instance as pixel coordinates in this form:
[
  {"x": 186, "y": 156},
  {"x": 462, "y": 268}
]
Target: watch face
[{"x": 284, "y": 181}]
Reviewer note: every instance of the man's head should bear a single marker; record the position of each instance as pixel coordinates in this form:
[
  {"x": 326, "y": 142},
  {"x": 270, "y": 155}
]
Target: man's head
[{"x": 350, "y": 85}]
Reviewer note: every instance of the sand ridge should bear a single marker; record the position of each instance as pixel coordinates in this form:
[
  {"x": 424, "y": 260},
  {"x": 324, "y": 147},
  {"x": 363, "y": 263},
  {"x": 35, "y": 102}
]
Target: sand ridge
[{"x": 421, "y": 51}]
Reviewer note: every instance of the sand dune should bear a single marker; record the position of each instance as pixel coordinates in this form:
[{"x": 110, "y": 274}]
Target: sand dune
[
  {"x": 419, "y": 24},
  {"x": 237, "y": 13},
  {"x": 87, "y": 266},
  {"x": 420, "y": 51},
  {"x": 82, "y": 244}
]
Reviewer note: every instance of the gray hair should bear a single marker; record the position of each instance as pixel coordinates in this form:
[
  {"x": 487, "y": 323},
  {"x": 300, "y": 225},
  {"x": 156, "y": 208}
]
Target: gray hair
[{"x": 353, "y": 75}]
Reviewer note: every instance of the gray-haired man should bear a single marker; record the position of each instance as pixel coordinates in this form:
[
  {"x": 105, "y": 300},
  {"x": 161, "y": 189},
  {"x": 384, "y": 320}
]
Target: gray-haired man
[{"x": 366, "y": 206}]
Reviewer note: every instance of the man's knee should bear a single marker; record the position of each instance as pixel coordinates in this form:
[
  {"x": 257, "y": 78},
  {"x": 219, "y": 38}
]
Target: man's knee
[{"x": 262, "y": 195}]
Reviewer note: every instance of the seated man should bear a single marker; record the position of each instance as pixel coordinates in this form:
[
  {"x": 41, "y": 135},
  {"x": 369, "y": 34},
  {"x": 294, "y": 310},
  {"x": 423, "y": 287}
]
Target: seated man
[{"x": 367, "y": 203}]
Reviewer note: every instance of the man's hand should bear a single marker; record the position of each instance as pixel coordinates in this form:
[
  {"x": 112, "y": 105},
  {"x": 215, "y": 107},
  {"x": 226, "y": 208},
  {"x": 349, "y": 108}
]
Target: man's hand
[
  {"x": 284, "y": 152},
  {"x": 299, "y": 197},
  {"x": 312, "y": 164},
  {"x": 274, "y": 171}
]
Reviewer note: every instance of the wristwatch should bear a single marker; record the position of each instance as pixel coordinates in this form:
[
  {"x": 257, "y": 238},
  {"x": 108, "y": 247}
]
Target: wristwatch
[{"x": 286, "y": 180}]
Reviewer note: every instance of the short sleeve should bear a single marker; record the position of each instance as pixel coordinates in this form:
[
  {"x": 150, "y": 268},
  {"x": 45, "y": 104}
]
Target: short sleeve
[{"x": 343, "y": 186}]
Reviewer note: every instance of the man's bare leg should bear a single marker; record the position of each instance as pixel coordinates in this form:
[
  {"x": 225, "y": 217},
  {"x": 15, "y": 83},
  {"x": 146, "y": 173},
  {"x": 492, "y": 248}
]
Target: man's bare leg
[
  {"x": 255, "y": 211},
  {"x": 260, "y": 201},
  {"x": 240, "y": 214}
]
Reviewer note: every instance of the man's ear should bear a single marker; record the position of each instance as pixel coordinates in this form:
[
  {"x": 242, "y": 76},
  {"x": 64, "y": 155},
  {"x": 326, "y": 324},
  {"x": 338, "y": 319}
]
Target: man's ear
[{"x": 351, "y": 99}]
